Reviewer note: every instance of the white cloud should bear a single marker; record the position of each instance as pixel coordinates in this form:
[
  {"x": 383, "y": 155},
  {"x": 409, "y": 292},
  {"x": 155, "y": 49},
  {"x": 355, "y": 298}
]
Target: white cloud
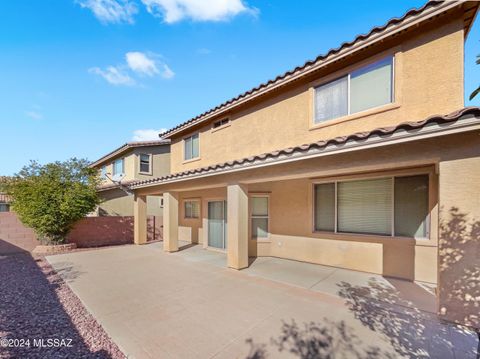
[
  {"x": 34, "y": 115},
  {"x": 147, "y": 135},
  {"x": 136, "y": 63},
  {"x": 198, "y": 10},
  {"x": 141, "y": 63},
  {"x": 113, "y": 75},
  {"x": 111, "y": 11},
  {"x": 167, "y": 72}
]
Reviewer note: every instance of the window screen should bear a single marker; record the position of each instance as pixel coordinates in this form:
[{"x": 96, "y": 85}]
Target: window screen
[
  {"x": 259, "y": 217},
  {"x": 192, "y": 209},
  {"x": 191, "y": 147},
  {"x": 331, "y": 100},
  {"x": 325, "y": 207},
  {"x": 411, "y": 206}
]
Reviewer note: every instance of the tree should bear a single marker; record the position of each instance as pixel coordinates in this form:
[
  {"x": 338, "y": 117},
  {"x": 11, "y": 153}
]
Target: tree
[
  {"x": 51, "y": 198},
  {"x": 475, "y": 93}
]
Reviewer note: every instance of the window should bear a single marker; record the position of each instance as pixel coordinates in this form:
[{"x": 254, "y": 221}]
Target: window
[
  {"x": 4, "y": 207},
  {"x": 393, "y": 206},
  {"x": 221, "y": 123},
  {"x": 103, "y": 172},
  {"x": 145, "y": 163},
  {"x": 259, "y": 216},
  {"x": 368, "y": 87},
  {"x": 118, "y": 167},
  {"x": 192, "y": 209},
  {"x": 191, "y": 147}
]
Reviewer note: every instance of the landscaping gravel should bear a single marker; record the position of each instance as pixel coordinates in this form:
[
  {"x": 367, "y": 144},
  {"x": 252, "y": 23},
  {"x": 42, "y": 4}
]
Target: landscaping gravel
[{"x": 40, "y": 317}]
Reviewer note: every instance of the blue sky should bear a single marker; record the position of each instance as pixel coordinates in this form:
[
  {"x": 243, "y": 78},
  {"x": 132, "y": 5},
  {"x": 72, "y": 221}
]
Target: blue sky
[{"x": 80, "y": 77}]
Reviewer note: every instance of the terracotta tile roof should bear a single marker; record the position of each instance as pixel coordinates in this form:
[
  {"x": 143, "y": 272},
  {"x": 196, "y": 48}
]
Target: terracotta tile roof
[
  {"x": 128, "y": 146},
  {"x": 319, "y": 145},
  {"x": 312, "y": 64},
  {"x": 108, "y": 186}
]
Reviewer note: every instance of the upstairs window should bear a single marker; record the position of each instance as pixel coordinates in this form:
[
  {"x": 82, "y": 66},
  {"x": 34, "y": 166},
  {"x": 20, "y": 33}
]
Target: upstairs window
[
  {"x": 4, "y": 207},
  {"x": 368, "y": 87},
  {"x": 191, "y": 147},
  {"x": 103, "y": 172},
  {"x": 145, "y": 163},
  {"x": 119, "y": 167},
  {"x": 221, "y": 123}
]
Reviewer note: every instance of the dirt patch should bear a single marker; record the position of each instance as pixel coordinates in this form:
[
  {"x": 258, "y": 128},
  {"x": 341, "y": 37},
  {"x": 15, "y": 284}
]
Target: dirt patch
[{"x": 40, "y": 317}]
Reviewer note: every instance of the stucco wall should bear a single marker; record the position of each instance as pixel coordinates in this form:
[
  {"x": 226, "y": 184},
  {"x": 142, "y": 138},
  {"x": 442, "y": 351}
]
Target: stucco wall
[
  {"x": 459, "y": 242},
  {"x": 428, "y": 80},
  {"x": 291, "y": 205},
  {"x": 115, "y": 202}
]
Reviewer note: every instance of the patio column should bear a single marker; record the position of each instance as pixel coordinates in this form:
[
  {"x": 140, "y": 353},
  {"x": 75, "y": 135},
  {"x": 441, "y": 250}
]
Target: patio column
[
  {"x": 170, "y": 222},
  {"x": 237, "y": 226},
  {"x": 139, "y": 219}
]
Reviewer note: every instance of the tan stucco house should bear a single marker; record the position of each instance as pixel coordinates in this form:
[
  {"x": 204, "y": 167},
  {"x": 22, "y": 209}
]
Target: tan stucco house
[
  {"x": 359, "y": 159},
  {"x": 133, "y": 161}
]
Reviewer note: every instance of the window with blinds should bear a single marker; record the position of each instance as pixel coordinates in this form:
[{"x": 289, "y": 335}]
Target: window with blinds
[
  {"x": 393, "y": 206},
  {"x": 144, "y": 163},
  {"x": 369, "y": 87},
  {"x": 192, "y": 209}
]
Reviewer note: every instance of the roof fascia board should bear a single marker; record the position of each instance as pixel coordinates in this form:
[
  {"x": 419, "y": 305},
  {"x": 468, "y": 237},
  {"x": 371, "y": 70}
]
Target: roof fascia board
[{"x": 123, "y": 149}]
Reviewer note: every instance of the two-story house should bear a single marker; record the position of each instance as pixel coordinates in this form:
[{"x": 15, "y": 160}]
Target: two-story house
[
  {"x": 357, "y": 159},
  {"x": 128, "y": 163}
]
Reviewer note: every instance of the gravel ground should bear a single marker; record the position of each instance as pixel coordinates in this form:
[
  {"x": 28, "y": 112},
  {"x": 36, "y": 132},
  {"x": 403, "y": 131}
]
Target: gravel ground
[{"x": 36, "y": 305}]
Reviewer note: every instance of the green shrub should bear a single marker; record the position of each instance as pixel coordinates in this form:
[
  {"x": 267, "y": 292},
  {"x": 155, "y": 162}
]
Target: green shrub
[{"x": 51, "y": 198}]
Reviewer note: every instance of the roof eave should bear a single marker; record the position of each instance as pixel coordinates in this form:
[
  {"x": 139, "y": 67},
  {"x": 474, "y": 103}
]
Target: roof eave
[
  {"x": 359, "y": 44},
  {"x": 464, "y": 123},
  {"x": 127, "y": 146}
]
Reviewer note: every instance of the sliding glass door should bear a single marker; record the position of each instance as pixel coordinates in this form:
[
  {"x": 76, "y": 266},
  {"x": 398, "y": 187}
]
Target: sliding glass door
[{"x": 217, "y": 224}]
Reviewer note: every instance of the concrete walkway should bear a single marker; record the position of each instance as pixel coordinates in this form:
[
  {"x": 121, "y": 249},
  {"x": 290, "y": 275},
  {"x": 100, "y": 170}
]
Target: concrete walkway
[{"x": 188, "y": 305}]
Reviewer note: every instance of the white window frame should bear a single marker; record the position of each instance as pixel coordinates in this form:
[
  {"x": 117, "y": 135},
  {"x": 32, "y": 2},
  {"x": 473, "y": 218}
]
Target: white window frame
[
  {"x": 149, "y": 172},
  {"x": 196, "y": 200},
  {"x": 103, "y": 172},
  {"x": 123, "y": 167},
  {"x": 185, "y": 159},
  {"x": 392, "y": 232},
  {"x": 348, "y": 75},
  {"x": 251, "y": 216}
]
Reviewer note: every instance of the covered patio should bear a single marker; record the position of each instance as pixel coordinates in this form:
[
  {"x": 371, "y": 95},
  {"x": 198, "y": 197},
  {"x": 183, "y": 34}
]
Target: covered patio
[
  {"x": 188, "y": 305},
  {"x": 218, "y": 206}
]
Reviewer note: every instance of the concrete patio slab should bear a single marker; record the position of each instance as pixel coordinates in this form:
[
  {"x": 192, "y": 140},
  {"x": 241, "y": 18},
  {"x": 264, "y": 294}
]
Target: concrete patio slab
[{"x": 188, "y": 305}]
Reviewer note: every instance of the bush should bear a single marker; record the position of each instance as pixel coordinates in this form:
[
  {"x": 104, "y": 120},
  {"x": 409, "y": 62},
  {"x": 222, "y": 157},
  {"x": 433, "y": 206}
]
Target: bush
[{"x": 51, "y": 198}]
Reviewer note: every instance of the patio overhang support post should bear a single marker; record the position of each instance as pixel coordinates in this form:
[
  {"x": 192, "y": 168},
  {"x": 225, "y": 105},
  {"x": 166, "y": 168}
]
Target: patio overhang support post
[
  {"x": 140, "y": 219},
  {"x": 170, "y": 222},
  {"x": 237, "y": 228}
]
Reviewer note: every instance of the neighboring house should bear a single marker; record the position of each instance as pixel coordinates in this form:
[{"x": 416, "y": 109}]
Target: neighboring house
[
  {"x": 341, "y": 161},
  {"x": 4, "y": 202},
  {"x": 131, "y": 162}
]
